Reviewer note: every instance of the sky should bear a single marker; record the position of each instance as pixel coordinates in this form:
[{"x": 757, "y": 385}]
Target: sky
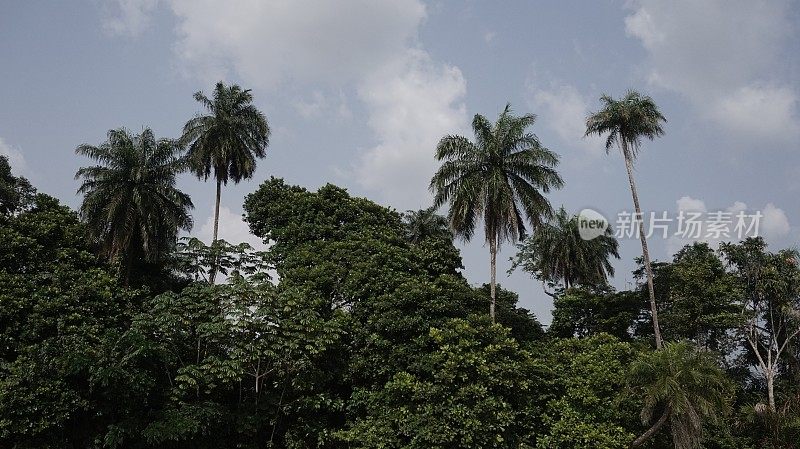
[{"x": 358, "y": 92}]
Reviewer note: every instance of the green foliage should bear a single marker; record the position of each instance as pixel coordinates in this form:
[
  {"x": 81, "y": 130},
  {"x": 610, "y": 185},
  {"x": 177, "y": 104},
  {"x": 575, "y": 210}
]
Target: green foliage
[
  {"x": 359, "y": 257},
  {"x": 346, "y": 249},
  {"x": 781, "y": 428},
  {"x": 197, "y": 260},
  {"x": 356, "y": 254},
  {"x": 700, "y": 301},
  {"x": 226, "y": 142},
  {"x": 16, "y": 193},
  {"x": 131, "y": 205},
  {"x": 474, "y": 388},
  {"x": 426, "y": 224},
  {"x": 371, "y": 338},
  {"x": 685, "y": 385},
  {"x": 769, "y": 286},
  {"x": 524, "y": 325},
  {"x": 581, "y": 312},
  {"x": 432, "y": 240},
  {"x": 556, "y": 254},
  {"x": 58, "y": 306},
  {"x": 589, "y": 406},
  {"x": 234, "y": 360}
]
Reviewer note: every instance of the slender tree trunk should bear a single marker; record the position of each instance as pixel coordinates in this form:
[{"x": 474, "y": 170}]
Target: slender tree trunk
[
  {"x": 213, "y": 273},
  {"x": 771, "y": 389},
  {"x": 492, "y": 284},
  {"x": 645, "y": 252},
  {"x": 652, "y": 430}
]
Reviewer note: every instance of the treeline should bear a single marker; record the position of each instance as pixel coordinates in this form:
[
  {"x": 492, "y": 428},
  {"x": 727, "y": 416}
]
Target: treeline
[
  {"x": 356, "y": 327},
  {"x": 371, "y": 338}
]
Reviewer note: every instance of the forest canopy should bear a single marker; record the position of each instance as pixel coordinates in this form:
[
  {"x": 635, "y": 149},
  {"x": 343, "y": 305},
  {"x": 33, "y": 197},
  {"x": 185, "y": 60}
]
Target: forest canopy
[{"x": 356, "y": 326}]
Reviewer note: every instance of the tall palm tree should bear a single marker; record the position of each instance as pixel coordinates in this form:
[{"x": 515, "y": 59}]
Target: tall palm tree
[
  {"x": 425, "y": 223},
  {"x": 226, "y": 141},
  {"x": 687, "y": 387},
  {"x": 556, "y": 253},
  {"x": 131, "y": 205},
  {"x": 626, "y": 122},
  {"x": 498, "y": 178}
]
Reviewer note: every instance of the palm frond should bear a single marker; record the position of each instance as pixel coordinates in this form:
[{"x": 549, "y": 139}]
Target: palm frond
[{"x": 497, "y": 179}]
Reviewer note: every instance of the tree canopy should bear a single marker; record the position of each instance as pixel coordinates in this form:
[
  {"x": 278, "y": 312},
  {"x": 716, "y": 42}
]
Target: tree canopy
[{"x": 355, "y": 326}]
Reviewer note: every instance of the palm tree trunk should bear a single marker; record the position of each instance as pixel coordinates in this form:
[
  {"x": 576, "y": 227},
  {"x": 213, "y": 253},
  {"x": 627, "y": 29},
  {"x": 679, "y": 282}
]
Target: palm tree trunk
[
  {"x": 492, "y": 284},
  {"x": 652, "y": 430},
  {"x": 645, "y": 252},
  {"x": 213, "y": 273}
]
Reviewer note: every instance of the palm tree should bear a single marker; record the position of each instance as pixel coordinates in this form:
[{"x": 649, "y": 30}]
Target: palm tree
[
  {"x": 626, "y": 121},
  {"x": 556, "y": 253},
  {"x": 687, "y": 386},
  {"x": 499, "y": 177},
  {"x": 226, "y": 142},
  {"x": 425, "y": 223},
  {"x": 130, "y": 205}
]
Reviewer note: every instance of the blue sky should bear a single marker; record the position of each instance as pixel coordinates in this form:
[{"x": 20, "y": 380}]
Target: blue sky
[{"x": 358, "y": 92}]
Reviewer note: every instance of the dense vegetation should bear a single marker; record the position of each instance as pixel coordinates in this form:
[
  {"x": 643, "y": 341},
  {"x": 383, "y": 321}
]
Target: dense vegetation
[{"x": 356, "y": 327}]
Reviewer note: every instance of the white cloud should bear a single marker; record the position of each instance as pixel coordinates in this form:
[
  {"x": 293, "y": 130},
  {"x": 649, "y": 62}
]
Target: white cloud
[
  {"x": 15, "y": 157},
  {"x": 271, "y": 42},
  {"x": 775, "y": 223},
  {"x": 760, "y": 111},
  {"x": 689, "y": 204},
  {"x": 413, "y": 102},
  {"x": 321, "y": 104},
  {"x": 363, "y": 46},
  {"x": 724, "y": 56},
  {"x": 232, "y": 229},
  {"x": 737, "y": 207},
  {"x": 128, "y": 17},
  {"x": 684, "y": 204},
  {"x": 311, "y": 107},
  {"x": 564, "y": 110}
]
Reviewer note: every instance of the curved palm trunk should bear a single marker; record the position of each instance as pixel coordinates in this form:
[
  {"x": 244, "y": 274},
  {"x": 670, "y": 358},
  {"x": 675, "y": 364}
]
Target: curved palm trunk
[
  {"x": 492, "y": 288},
  {"x": 652, "y": 430},
  {"x": 213, "y": 273},
  {"x": 645, "y": 252}
]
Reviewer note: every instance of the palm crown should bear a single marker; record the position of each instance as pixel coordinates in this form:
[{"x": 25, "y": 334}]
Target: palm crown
[
  {"x": 226, "y": 141},
  {"x": 626, "y": 120},
  {"x": 425, "y": 223},
  {"x": 686, "y": 386},
  {"x": 131, "y": 205},
  {"x": 499, "y": 177},
  {"x": 555, "y": 252}
]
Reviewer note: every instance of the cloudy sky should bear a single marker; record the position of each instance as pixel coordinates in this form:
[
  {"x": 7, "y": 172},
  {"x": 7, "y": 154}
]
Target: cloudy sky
[{"x": 358, "y": 92}]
